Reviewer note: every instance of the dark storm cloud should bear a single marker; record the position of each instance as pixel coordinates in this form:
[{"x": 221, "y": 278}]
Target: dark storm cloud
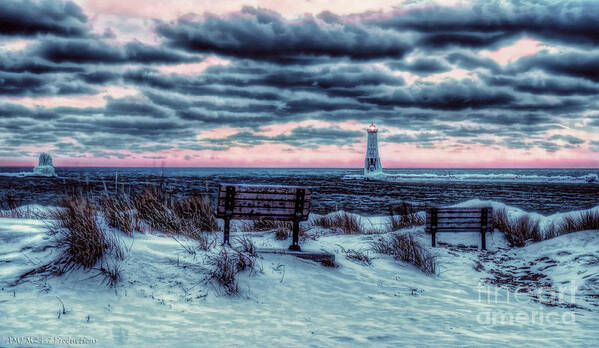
[
  {"x": 95, "y": 51},
  {"x": 467, "y": 40},
  {"x": 444, "y": 96},
  {"x": 311, "y": 137},
  {"x": 568, "y": 138},
  {"x": 423, "y": 137},
  {"x": 344, "y": 76},
  {"x": 489, "y": 22},
  {"x": 344, "y": 80},
  {"x": 421, "y": 66},
  {"x": 547, "y": 146},
  {"x": 150, "y": 129},
  {"x": 11, "y": 111},
  {"x": 315, "y": 137},
  {"x": 266, "y": 35},
  {"x": 99, "y": 77},
  {"x": 574, "y": 64},
  {"x": 595, "y": 122},
  {"x": 31, "y": 17},
  {"x": 20, "y": 63},
  {"x": 131, "y": 106},
  {"x": 548, "y": 85},
  {"x": 26, "y": 84},
  {"x": 469, "y": 61},
  {"x": 273, "y": 91},
  {"x": 311, "y": 104}
]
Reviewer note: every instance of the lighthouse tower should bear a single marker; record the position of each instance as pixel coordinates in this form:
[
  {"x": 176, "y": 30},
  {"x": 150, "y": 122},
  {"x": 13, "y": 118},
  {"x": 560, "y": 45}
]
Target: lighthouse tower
[{"x": 372, "y": 162}]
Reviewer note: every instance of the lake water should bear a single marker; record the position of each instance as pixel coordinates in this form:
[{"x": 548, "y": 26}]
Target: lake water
[{"x": 540, "y": 190}]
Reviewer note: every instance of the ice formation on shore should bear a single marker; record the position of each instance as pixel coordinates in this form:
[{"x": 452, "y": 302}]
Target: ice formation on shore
[{"x": 44, "y": 166}]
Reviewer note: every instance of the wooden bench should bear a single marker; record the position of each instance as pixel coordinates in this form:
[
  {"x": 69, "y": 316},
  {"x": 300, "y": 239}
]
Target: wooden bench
[
  {"x": 454, "y": 219},
  {"x": 257, "y": 202}
]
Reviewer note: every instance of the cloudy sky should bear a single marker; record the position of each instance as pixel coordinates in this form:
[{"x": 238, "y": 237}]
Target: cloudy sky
[{"x": 295, "y": 83}]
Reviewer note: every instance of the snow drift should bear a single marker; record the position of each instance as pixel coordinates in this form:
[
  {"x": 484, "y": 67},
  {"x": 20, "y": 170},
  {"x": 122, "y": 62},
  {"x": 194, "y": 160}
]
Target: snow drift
[{"x": 162, "y": 300}]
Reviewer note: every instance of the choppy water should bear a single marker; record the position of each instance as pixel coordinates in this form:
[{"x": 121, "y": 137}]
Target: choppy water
[{"x": 542, "y": 190}]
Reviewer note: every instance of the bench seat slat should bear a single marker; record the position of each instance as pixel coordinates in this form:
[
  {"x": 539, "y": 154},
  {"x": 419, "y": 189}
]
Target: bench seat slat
[
  {"x": 262, "y": 211},
  {"x": 459, "y": 210},
  {"x": 262, "y": 196},
  {"x": 263, "y": 203},
  {"x": 459, "y": 229},
  {"x": 442, "y": 222},
  {"x": 290, "y": 190},
  {"x": 459, "y": 225},
  {"x": 462, "y": 218},
  {"x": 262, "y": 217},
  {"x": 467, "y": 214}
]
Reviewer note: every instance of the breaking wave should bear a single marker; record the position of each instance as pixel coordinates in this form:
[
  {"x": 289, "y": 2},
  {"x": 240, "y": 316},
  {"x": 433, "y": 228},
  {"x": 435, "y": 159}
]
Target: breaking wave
[{"x": 480, "y": 177}]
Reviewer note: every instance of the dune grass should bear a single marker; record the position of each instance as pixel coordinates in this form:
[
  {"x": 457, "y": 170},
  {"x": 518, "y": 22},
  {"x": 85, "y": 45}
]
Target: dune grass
[
  {"x": 120, "y": 213},
  {"x": 526, "y": 228},
  {"x": 357, "y": 256},
  {"x": 228, "y": 263},
  {"x": 82, "y": 243},
  {"x": 265, "y": 225},
  {"x": 404, "y": 247},
  {"x": 585, "y": 220},
  {"x": 11, "y": 207},
  {"x": 340, "y": 222},
  {"x": 192, "y": 217},
  {"x": 77, "y": 230},
  {"x": 404, "y": 215}
]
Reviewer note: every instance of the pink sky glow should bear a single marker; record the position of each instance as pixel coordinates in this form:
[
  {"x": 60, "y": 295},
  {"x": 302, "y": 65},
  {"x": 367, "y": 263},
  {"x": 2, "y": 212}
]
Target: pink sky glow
[{"x": 392, "y": 155}]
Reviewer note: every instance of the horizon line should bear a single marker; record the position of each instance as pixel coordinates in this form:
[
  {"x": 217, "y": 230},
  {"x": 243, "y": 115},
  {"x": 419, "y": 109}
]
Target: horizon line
[{"x": 274, "y": 167}]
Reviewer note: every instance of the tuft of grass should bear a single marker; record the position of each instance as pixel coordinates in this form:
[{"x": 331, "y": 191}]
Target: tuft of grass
[
  {"x": 245, "y": 245},
  {"x": 119, "y": 212},
  {"x": 197, "y": 211},
  {"x": 84, "y": 241},
  {"x": 264, "y": 225},
  {"x": 11, "y": 207},
  {"x": 357, "y": 256},
  {"x": 281, "y": 233},
  {"x": 152, "y": 206},
  {"x": 526, "y": 229},
  {"x": 406, "y": 248},
  {"x": 585, "y": 220},
  {"x": 550, "y": 231},
  {"x": 111, "y": 273},
  {"x": 404, "y": 215},
  {"x": 341, "y": 222},
  {"x": 191, "y": 216},
  {"x": 519, "y": 232},
  {"x": 226, "y": 264},
  {"x": 500, "y": 220}
]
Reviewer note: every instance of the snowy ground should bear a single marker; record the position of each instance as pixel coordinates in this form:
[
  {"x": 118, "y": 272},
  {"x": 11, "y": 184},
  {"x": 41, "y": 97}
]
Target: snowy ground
[{"x": 162, "y": 300}]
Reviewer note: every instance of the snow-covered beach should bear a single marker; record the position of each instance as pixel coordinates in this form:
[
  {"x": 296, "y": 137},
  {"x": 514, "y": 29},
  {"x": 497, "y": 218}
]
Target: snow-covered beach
[{"x": 161, "y": 299}]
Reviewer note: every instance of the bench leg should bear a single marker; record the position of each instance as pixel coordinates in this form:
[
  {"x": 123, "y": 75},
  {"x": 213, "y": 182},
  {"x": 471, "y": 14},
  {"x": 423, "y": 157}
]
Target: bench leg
[
  {"x": 483, "y": 241},
  {"x": 226, "y": 234},
  {"x": 295, "y": 242},
  {"x": 433, "y": 241}
]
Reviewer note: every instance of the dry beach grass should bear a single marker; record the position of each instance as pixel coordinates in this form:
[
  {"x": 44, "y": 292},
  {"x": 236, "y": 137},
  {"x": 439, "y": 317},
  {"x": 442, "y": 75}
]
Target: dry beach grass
[{"x": 406, "y": 248}]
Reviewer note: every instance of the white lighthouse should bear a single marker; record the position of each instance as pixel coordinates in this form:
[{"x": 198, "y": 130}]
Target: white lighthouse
[{"x": 372, "y": 162}]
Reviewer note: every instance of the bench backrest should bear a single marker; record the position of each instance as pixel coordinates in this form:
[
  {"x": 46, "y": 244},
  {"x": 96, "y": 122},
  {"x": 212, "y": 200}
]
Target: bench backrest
[
  {"x": 453, "y": 219},
  {"x": 255, "y": 202}
]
